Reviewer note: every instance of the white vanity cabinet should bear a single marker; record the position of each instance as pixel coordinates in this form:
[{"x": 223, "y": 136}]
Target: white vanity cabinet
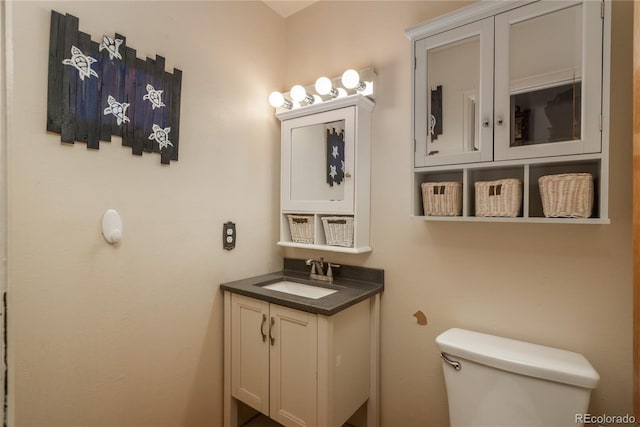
[
  {"x": 512, "y": 89},
  {"x": 298, "y": 368},
  {"x": 323, "y": 178}
]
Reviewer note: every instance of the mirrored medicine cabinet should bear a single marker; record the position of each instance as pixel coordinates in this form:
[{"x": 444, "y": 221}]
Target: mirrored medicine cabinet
[
  {"x": 325, "y": 175},
  {"x": 513, "y": 89}
]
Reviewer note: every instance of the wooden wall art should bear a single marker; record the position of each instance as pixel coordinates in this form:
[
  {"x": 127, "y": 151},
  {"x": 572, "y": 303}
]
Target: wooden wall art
[{"x": 97, "y": 90}]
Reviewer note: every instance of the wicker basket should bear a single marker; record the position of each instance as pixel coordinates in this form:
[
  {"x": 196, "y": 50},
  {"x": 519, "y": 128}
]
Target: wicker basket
[
  {"x": 301, "y": 227},
  {"x": 567, "y": 195},
  {"x": 442, "y": 198},
  {"x": 498, "y": 198},
  {"x": 338, "y": 230}
]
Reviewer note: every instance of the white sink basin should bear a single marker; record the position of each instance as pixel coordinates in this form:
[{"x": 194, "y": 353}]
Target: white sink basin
[{"x": 299, "y": 289}]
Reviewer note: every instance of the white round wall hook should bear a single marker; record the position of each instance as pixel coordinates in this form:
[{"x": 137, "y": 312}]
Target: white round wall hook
[{"x": 112, "y": 226}]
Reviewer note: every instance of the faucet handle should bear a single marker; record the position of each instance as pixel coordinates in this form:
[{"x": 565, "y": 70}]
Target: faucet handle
[{"x": 330, "y": 267}]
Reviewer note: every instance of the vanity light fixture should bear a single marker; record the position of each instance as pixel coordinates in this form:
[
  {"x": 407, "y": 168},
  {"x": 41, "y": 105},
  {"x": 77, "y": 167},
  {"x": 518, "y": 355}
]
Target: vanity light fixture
[
  {"x": 276, "y": 99},
  {"x": 299, "y": 93},
  {"x": 351, "y": 80},
  {"x": 325, "y": 87}
]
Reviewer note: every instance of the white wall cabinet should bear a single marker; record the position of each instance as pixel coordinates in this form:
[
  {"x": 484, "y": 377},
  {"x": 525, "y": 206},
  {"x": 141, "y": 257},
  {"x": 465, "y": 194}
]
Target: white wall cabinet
[
  {"x": 512, "y": 90},
  {"x": 298, "y": 368},
  {"x": 319, "y": 180}
]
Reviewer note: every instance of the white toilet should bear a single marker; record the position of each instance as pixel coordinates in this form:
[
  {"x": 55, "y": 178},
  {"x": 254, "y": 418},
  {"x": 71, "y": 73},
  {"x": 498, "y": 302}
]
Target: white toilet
[{"x": 494, "y": 381}]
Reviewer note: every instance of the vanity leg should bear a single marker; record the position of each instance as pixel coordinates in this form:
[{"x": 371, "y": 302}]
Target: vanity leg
[
  {"x": 230, "y": 410},
  {"x": 373, "y": 405}
]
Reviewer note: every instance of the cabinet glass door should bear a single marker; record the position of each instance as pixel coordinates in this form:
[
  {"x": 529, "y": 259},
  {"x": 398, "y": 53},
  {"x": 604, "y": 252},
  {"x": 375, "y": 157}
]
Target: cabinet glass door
[
  {"x": 454, "y": 96},
  {"x": 547, "y": 80}
]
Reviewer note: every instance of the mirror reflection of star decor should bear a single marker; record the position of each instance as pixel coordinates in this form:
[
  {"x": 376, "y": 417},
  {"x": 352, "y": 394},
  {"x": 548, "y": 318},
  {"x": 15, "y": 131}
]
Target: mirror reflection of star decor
[
  {"x": 335, "y": 156},
  {"x": 97, "y": 90}
]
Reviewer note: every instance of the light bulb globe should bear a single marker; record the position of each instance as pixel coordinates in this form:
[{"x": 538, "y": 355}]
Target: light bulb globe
[
  {"x": 276, "y": 99},
  {"x": 323, "y": 86},
  {"x": 350, "y": 79},
  {"x": 298, "y": 93}
]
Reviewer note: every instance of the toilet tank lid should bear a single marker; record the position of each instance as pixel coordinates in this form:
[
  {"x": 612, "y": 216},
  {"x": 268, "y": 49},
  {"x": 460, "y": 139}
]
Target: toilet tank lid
[{"x": 519, "y": 357}]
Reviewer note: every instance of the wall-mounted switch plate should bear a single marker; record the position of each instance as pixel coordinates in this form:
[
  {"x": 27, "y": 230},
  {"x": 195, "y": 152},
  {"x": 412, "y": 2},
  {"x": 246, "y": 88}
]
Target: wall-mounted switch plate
[{"x": 228, "y": 235}]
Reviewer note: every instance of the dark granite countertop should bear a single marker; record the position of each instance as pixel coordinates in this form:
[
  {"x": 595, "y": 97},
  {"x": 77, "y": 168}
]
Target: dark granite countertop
[{"x": 354, "y": 284}]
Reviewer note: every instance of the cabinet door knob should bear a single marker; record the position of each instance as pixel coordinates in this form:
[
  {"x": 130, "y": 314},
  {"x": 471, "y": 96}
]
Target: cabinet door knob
[
  {"x": 347, "y": 175},
  {"x": 499, "y": 122},
  {"x": 271, "y": 338},
  {"x": 485, "y": 124},
  {"x": 264, "y": 320}
]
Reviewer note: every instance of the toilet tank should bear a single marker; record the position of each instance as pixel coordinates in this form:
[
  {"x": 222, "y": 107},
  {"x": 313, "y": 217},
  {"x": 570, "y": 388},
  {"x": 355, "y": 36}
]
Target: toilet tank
[{"x": 504, "y": 382}]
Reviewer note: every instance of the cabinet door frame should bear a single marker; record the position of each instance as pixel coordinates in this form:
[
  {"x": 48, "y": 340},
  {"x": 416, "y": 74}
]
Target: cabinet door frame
[
  {"x": 484, "y": 29},
  {"x": 346, "y": 205},
  {"x": 591, "y": 94},
  {"x": 293, "y": 370},
  {"x": 250, "y": 352}
]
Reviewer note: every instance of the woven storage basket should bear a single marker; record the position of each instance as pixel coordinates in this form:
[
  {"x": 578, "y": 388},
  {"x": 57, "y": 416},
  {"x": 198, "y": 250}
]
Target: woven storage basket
[
  {"x": 567, "y": 195},
  {"x": 498, "y": 198},
  {"x": 442, "y": 198},
  {"x": 301, "y": 227},
  {"x": 338, "y": 230}
]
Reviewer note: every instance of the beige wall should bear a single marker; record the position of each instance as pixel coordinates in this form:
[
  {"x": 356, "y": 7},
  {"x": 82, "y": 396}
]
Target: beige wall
[
  {"x": 560, "y": 285},
  {"x": 132, "y": 334},
  {"x": 103, "y": 335}
]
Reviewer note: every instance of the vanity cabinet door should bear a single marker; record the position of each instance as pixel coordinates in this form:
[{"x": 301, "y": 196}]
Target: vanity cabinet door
[
  {"x": 274, "y": 352},
  {"x": 293, "y": 367},
  {"x": 250, "y": 352},
  {"x": 548, "y": 80},
  {"x": 453, "y": 96},
  {"x": 318, "y": 152}
]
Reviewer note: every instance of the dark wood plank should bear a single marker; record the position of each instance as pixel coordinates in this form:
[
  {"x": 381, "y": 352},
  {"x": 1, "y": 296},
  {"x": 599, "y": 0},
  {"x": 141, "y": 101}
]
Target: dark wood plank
[
  {"x": 82, "y": 93},
  {"x": 140, "y": 135},
  {"x": 54, "y": 84},
  {"x": 147, "y": 110},
  {"x": 129, "y": 96},
  {"x": 176, "y": 94},
  {"x": 108, "y": 121},
  {"x": 167, "y": 153},
  {"x": 159, "y": 114},
  {"x": 69, "y": 77},
  {"x": 93, "y": 112},
  {"x": 119, "y": 81}
]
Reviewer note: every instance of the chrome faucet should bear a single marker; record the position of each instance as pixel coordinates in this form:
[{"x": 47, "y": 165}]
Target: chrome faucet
[
  {"x": 317, "y": 266},
  {"x": 317, "y": 269}
]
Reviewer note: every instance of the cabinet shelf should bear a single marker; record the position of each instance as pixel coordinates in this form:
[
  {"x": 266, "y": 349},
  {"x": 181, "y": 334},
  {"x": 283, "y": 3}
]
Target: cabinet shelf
[
  {"x": 528, "y": 173},
  {"x": 540, "y": 220},
  {"x": 319, "y": 234},
  {"x": 358, "y": 250}
]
